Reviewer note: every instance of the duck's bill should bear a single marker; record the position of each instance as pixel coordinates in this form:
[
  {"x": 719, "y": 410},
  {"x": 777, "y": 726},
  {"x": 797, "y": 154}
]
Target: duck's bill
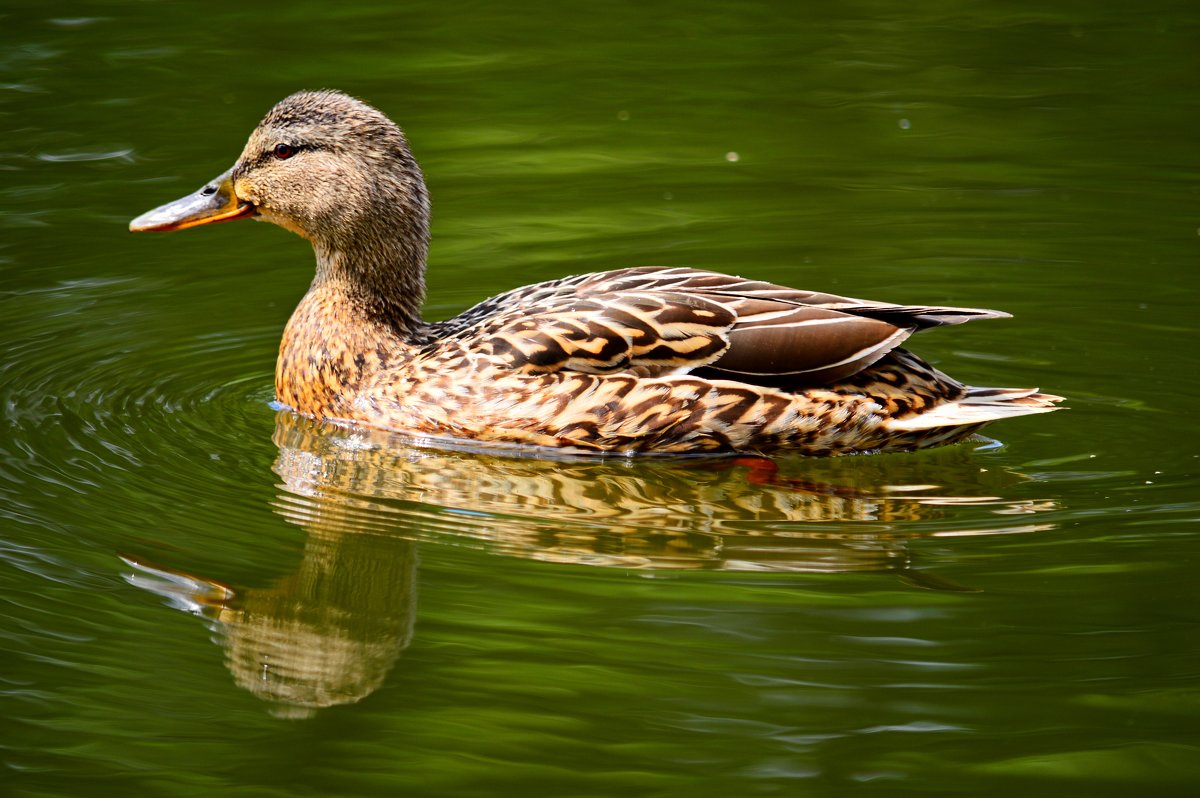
[{"x": 215, "y": 202}]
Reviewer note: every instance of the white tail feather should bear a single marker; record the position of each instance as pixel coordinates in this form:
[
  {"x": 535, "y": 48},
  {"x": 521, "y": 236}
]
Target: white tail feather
[{"x": 979, "y": 406}]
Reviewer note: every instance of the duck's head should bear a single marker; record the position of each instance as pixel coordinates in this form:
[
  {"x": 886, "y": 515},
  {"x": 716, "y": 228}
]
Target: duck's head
[{"x": 321, "y": 164}]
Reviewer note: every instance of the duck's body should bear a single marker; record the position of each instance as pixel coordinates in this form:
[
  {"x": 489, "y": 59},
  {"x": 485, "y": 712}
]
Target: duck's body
[{"x": 634, "y": 360}]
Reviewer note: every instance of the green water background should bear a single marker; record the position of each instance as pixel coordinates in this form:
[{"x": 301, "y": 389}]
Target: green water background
[{"x": 1032, "y": 628}]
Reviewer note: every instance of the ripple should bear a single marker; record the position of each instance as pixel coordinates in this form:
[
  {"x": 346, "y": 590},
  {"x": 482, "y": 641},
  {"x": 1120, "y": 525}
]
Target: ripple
[
  {"x": 76, "y": 156},
  {"x": 23, "y": 88},
  {"x": 76, "y": 22},
  {"x": 142, "y": 53},
  {"x": 101, "y": 410}
]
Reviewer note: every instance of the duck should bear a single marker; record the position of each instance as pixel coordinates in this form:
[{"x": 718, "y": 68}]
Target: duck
[{"x": 649, "y": 359}]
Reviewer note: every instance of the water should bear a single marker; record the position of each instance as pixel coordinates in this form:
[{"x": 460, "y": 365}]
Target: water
[{"x": 203, "y": 596}]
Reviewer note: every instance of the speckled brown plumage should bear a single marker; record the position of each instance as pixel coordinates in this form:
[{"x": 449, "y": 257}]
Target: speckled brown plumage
[{"x": 633, "y": 360}]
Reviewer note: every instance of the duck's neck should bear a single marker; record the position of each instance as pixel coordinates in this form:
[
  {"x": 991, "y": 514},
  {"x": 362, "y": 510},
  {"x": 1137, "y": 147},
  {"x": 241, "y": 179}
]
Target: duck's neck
[{"x": 380, "y": 280}]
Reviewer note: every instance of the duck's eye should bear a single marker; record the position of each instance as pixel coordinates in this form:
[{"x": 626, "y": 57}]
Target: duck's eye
[{"x": 284, "y": 151}]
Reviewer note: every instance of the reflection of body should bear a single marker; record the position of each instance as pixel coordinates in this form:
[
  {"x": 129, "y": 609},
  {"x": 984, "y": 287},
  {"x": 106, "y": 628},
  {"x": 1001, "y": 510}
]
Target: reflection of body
[
  {"x": 330, "y": 632},
  {"x": 634, "y": 360},
  {"x": 844, "y": 514}
]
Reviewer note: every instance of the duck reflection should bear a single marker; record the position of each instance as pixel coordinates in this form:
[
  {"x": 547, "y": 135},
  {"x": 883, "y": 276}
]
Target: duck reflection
[{"x": 329, "y": 633}]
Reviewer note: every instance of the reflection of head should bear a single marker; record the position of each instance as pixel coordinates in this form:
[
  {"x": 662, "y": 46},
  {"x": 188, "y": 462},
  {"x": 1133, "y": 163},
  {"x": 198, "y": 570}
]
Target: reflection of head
[
  {"x": 326, "y": 635},
  {"x": 330, "y": 633}
]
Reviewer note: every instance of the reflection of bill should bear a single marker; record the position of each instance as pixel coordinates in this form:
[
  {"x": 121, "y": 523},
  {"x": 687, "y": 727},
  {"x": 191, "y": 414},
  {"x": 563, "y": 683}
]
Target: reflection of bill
[{"x": 329, "y": 633}]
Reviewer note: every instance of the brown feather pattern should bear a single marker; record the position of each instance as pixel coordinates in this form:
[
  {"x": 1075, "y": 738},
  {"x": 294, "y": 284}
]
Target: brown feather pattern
[{"x": 649, "y": 359}]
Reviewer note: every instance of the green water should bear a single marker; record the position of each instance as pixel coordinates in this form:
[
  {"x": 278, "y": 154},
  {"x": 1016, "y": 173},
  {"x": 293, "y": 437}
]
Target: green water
[{"x": 200, "y": 596}]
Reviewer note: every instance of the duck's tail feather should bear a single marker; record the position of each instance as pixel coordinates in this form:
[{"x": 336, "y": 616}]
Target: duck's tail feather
[{"x": 979, "y": 406}]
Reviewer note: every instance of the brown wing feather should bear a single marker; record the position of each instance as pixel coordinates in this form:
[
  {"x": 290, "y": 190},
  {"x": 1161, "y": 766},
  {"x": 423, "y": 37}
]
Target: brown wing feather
[
  {"x": 735, "y": 289},
  {"x": 660, "y": 332},
  {"x": 675, "y": 320},
  {"x": 809, "y": 346}
]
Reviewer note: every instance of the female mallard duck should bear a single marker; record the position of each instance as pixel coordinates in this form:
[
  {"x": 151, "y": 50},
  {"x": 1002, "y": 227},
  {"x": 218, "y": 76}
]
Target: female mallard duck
[{"x": 634, "y": 360}]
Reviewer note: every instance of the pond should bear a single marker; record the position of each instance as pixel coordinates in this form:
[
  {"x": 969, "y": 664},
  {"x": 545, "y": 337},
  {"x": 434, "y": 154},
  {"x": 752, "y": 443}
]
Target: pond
[{"x": 202, "y": 594}]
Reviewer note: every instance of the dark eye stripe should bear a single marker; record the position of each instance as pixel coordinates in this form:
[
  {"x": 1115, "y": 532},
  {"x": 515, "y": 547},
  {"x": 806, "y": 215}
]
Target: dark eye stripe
[{"x": 268, "y": 155}]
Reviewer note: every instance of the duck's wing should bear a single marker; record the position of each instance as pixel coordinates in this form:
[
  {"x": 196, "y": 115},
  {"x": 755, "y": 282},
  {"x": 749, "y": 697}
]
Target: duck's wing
[
  {"x": 739, "y": 291},
  {"x": 788, "y": 336},
  {"x": 673, "y": 320}
]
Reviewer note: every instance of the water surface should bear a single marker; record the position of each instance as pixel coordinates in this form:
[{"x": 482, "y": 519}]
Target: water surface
[{"x": 201, "y": 595}]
